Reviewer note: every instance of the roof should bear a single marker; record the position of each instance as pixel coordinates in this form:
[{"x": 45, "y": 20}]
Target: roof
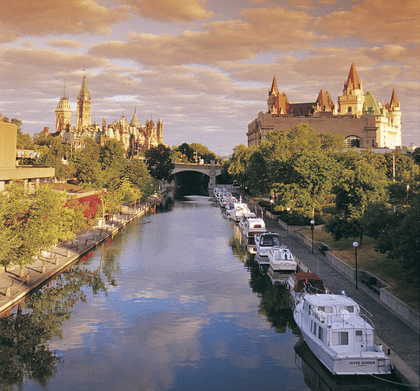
[
  {"x": 394, "y": 101},
  {"x": 84, "y": 89},
  {"x": 371, "y": 106},
  {"x": 353, "y": 78},
  {"x": 274, "y": 89}
]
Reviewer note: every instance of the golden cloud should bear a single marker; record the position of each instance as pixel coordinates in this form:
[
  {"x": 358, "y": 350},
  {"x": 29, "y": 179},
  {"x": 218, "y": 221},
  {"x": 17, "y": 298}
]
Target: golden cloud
[
  {"x": 173, "y": 11},
  {"x": 260, "y": 30},
  {"x": 44, "y": 17},
  {"x": 65, "y": 43},
  {"x": 376, "y": 21}
]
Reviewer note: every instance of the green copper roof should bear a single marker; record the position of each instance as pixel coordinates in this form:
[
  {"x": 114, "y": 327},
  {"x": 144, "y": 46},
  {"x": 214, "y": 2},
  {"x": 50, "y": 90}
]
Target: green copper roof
[{"x": 371, "y": 106}]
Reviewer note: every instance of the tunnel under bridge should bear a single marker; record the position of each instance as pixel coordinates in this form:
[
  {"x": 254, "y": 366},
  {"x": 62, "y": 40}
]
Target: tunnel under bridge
[{"x": 195, "y": 179}]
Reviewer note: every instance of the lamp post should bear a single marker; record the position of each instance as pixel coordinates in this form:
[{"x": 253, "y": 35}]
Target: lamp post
[
  {"x": 312, "y": 229},
  {"x": 355, "y": 245}
]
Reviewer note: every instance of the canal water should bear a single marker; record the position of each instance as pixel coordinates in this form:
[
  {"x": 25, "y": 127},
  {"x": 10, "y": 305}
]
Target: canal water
[{"x": 172, "y": 302}]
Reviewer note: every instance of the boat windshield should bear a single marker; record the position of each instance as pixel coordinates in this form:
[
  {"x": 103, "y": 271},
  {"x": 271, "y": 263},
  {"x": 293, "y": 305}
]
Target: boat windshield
[{"x": 270, "y": 241}]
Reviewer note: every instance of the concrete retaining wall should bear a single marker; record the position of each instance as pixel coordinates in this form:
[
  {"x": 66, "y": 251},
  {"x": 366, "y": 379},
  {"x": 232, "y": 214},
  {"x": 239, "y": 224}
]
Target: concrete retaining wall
[{"x": 409, "y": 314}]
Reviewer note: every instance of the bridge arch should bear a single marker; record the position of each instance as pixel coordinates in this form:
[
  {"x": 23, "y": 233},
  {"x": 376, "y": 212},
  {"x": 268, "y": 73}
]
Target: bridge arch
[{"x": 200, "y": 178}]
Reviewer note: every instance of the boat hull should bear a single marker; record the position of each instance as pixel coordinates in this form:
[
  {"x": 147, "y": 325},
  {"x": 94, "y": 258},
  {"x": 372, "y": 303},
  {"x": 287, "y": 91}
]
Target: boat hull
[{"x": 367, "y": 363}]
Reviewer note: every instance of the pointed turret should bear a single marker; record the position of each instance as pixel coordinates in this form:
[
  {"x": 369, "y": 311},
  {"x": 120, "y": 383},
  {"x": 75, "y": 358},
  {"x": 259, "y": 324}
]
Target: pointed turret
[
  {"x": 353, "y": 98},
  {"x": 84, "y": 89},
  {"x": 135, "y": 121},
  {"x": 83, "y": 107},
  {"x": 394, "y": 101},
  {"x": 274, "y": 89},
  {"x": 353, "y": 81},
  {"x": 273, "y": 98}
]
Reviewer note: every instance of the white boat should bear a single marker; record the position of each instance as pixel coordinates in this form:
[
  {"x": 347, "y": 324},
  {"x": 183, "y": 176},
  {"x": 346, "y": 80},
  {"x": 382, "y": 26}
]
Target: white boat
[
  {"x": 250, "y": 229},
  {"x": 277, "y": 278},
  {"x": 301, "y": 283},
  {"x": 339, "y": 335},
  {"x": 281, "y": 258},
  {"x": 263, "y": 243},
  {"x": 244, "y": 218},
  {"x": 239, "y": 209}
]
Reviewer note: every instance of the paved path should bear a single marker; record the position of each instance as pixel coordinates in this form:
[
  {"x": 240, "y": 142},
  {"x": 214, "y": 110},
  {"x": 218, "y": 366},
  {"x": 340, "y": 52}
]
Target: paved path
[
  {"x": 15, "y": 284},
  {"x": 392, "y": 332}
]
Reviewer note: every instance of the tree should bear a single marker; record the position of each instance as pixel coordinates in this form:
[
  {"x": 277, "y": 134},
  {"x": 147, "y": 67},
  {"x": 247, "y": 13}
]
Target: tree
[
  {"x": 307, "y": 181},
  {"x": 112, "y": 157},
  {"x": 159, "y": 162},
  {"x": 362, "y": 181},
  {"x": 186, "y": 151},
  {"x": 138, "y": 175},
  {"x": 53, "y": 153},
  {"x": 239, "y": 162},
  {"x": 200, "y": 150},
  {"x": 86, "y": 162}
]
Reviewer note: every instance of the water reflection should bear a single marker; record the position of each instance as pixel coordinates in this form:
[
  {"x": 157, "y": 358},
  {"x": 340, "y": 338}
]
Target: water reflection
[
  {"x": 24, "y": 351},
  {"x": 165, "y": 305},
  {"x": 318, "y": 378}
]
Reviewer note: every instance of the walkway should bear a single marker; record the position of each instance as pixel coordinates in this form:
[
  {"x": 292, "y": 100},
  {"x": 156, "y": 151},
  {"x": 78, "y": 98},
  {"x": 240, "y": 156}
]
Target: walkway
[
  {"x": 401, "y": 340},
  {"x": 14, "y": 287}
]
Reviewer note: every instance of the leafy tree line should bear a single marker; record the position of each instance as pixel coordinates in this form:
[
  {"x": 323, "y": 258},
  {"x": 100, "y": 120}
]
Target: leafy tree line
[
  {"x": 373, "y": 194},
  {"x": 192, "y": 153},
  {"x": 35, "y": 222}
]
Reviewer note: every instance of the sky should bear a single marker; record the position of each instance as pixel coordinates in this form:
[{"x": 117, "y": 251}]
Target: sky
[{"x": 204, "y": 67}]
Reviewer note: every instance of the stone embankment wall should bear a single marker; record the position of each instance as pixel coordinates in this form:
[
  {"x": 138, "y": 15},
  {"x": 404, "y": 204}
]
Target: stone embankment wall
[{"x": 404, "y": 311}]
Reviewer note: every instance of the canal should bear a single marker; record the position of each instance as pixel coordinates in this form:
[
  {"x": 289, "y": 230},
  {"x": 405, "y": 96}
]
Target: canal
[{"x": 172, "y": 302}]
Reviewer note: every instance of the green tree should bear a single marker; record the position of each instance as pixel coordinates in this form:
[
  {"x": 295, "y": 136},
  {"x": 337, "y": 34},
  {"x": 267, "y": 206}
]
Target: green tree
[
  {"x": 239, "y": 162},
  {"x": 362, "y": 181},
  {"x": 186, "y": 152},
  {"x": 112, "y": 157},
  {"x": 138, "y": 175},
  {"x": 86, "y": 162},
  {"x": 53, "y": 153},
  {"x": 201, "y": 151},
  {"x": 159, "y": 162}
]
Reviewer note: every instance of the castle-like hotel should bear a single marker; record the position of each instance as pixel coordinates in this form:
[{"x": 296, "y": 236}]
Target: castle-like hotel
[
  {"x": 136, "y": 138},
  {"x": 358, "y": 117}
]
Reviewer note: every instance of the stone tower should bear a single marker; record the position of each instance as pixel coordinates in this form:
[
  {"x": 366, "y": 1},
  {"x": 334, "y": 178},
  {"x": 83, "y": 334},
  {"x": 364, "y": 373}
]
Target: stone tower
[
  {"x": 395, "y": 110},
  {"x": 83, "y": 107},
  {"x": 353, "y": 98},
  {"x": 63, "y": 114},
  {"x": 159, "y": 131}
]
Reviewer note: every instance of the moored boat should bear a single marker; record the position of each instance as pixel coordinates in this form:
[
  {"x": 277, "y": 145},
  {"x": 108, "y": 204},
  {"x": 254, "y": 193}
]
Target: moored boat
[
  {"x": 281, "y": 258},
  {"x": 263, "y": 242},
  {"x": 339, "y": 335},
  {"x": 301, "y": 283},
  {"x": 239, "y": 209}
]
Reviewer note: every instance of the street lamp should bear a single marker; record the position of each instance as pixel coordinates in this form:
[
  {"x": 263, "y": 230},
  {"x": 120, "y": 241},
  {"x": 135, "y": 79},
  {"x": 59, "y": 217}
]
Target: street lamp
[
  {"x": 312, "y": 229},
  {"x": 355, "y": 245}
]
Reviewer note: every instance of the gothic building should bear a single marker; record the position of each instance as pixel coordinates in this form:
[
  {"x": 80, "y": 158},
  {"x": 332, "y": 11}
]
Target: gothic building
[
  {"x": 358, "y": 116},
  {"x": 137, "y": 139}
]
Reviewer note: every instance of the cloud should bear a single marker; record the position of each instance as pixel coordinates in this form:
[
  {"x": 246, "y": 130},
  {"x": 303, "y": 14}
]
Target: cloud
[
  {"x": 172, "y": 11},
  {"x": 44, "y": 17},
  {"x": 65, "y": 43},
  {"x": 259, "y": 30},
  {"x": 377, "y": 21}
]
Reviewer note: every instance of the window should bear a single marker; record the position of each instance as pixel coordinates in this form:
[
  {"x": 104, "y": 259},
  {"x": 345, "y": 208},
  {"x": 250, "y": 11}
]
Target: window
[
  {"x": 321, "y": 333},
  {"x": 313, "y": 327},
  {"x": 340, "y": 338},
  {"x": 359, "y": 336}
]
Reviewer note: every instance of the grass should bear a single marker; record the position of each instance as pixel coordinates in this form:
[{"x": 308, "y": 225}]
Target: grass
[{"x": 370, "y": 260}]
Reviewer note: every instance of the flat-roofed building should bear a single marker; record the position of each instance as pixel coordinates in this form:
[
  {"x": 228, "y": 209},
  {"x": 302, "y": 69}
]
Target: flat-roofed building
[{"x": 9, "y": 170}]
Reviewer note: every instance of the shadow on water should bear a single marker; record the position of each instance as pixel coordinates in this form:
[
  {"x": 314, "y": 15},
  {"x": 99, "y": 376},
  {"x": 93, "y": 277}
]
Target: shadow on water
[
  {"x": 24, "y": 352},
  {"x": 317, "y": 377}
]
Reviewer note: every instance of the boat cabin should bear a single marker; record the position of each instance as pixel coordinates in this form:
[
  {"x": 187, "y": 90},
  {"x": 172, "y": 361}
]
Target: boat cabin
[{"x": 308, "y": 282}]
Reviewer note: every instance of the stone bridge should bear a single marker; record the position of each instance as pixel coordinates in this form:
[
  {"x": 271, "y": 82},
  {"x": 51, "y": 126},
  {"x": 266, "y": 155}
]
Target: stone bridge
[{"x": 212, "y": 170}]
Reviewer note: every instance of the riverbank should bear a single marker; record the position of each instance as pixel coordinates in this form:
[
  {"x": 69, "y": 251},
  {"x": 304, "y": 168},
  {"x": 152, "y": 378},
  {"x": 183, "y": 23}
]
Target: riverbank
[
  {"x": 15, "y": 284},
  {"x": 398, "y": 339}
]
